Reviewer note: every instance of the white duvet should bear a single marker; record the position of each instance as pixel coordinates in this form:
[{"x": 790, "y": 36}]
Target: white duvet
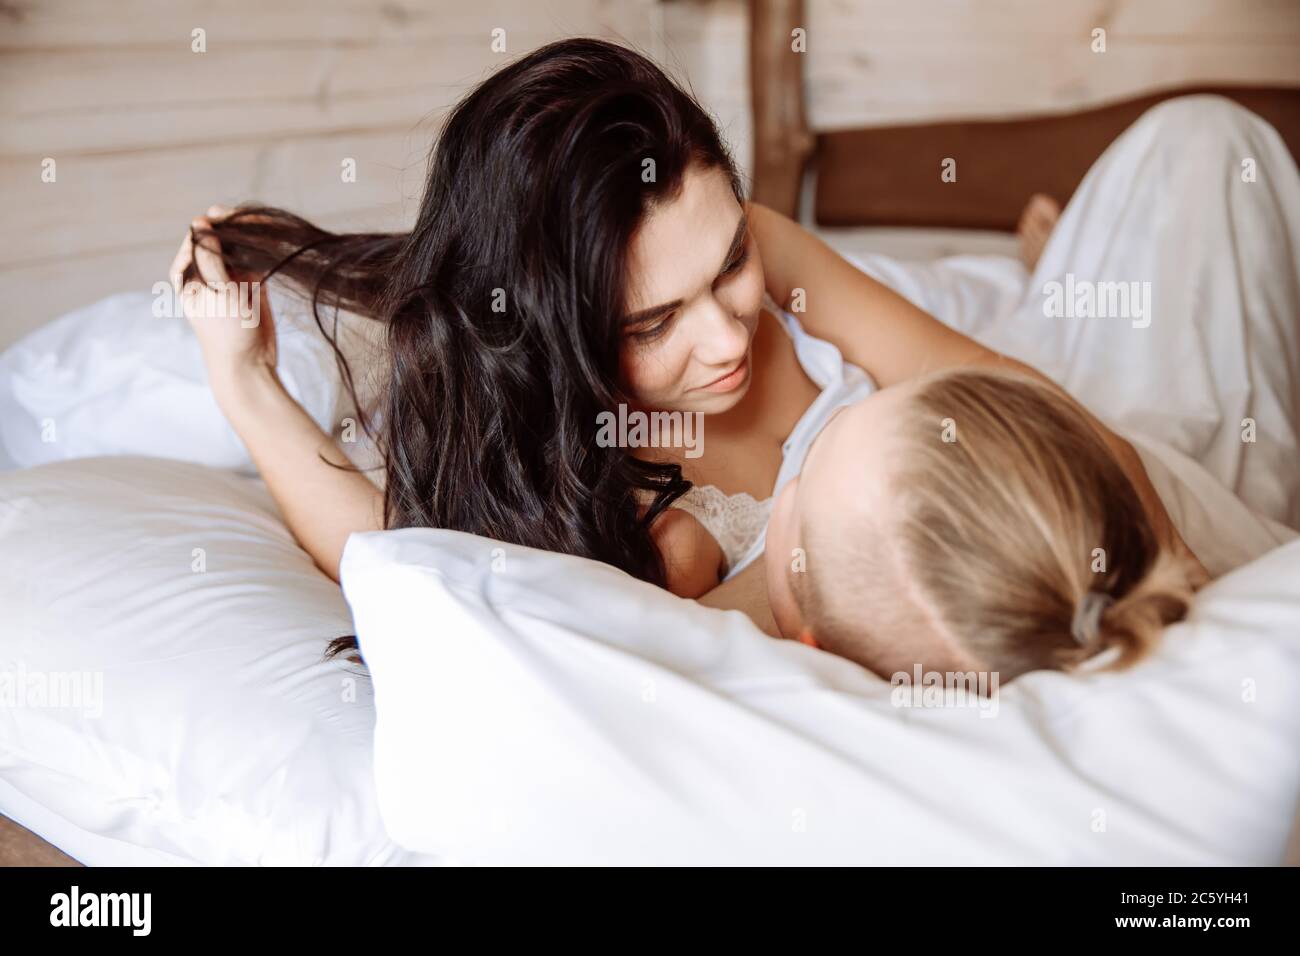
[{"x": 533, "y": 708}]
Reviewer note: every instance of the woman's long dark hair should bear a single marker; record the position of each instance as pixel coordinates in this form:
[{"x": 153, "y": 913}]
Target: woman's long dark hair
[{"x": 504, "y": 303}]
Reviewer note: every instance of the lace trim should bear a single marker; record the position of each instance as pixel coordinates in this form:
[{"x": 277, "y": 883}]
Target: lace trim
[{"x": 735, "y": 521}]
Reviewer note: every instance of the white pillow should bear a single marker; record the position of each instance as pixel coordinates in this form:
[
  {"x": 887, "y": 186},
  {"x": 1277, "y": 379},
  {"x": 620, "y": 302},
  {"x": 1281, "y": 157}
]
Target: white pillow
[
  {"x": 113, "y": 378},
  {"x": 218, "y": 735},
  {"x": 537, "y": 708}
]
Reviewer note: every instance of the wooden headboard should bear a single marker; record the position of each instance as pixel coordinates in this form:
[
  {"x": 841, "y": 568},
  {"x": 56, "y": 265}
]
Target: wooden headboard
[{"x": 890, "y": 175}]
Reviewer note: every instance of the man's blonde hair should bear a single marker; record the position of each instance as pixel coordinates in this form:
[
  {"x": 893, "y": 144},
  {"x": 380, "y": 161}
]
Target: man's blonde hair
[{"x": 992, "y": 539}]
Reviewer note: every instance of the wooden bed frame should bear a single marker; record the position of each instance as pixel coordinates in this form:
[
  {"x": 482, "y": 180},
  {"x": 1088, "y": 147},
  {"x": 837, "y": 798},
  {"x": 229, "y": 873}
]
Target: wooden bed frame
[
  {"x": 890, "y": 175},
  {"x": 21, "y": 847}
]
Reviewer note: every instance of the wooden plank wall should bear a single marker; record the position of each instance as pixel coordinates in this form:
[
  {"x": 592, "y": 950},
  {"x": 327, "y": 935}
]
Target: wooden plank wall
[{"x": 146, "y": 133}]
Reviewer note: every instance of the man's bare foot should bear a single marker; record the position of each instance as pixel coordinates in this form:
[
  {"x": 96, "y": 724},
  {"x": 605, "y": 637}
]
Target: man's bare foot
[{"x": 1035, "y": 227}]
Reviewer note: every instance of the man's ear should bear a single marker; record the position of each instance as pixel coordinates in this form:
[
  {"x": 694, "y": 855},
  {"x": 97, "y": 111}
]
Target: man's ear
[{"x": 806, "y": 637}]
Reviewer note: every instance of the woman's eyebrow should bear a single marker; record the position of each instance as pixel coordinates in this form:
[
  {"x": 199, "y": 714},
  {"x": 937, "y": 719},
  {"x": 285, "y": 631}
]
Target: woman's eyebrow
[{"x": 737, "y": 241}]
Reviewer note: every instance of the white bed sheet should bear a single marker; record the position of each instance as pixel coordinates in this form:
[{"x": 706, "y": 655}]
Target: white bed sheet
[{"x": 84, "y": 846}]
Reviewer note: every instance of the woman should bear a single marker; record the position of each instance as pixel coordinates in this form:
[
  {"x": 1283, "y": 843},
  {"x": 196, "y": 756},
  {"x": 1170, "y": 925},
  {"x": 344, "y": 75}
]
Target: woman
[{"x": 582, "y": 242}]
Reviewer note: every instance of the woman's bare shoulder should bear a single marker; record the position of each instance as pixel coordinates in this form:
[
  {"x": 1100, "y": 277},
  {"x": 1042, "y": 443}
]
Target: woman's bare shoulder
[{"x": 692, "y": 558}]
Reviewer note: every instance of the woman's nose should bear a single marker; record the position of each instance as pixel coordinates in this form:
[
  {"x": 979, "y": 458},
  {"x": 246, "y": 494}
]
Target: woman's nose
[{"x": 724, "y": 337}]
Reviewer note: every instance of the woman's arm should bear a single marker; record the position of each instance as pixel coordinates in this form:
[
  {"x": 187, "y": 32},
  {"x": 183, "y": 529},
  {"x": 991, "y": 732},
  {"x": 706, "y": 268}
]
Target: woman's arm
[
  {"x": 690, "y": 554},
  {"x": 894, "y": 341},
  {"x": 320, "y": 503},
  {"x": 873, "y": 326}
]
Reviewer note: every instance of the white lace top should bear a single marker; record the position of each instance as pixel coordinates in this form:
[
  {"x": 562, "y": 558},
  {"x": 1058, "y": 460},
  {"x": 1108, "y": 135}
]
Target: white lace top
[
  {"x": 735, "y": 521},
  {"x": 739, "y": 522}
]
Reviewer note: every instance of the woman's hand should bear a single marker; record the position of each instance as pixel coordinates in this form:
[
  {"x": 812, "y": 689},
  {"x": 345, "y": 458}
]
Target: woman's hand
[
  {"x": 322, "y": 498},
  {"x": 230, "y": 315}
]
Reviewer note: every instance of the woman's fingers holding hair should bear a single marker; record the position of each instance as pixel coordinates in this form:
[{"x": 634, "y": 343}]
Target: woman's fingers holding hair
[
  {"x": 207, "y": 259},
  {"x": 211, "y": 293},
  {"x": 232, "y": 319},
  {"x": 208, "y": 263},
  {"x": 207, "y": 254}
]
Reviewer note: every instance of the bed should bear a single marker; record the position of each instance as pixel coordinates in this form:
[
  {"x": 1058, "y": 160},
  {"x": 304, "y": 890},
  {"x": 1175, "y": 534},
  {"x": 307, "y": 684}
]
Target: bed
[{"x": 141, "y": 548}]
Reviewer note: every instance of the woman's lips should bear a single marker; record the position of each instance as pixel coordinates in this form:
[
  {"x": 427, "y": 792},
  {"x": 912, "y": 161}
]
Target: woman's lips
[{"x": 731, "y": 381}]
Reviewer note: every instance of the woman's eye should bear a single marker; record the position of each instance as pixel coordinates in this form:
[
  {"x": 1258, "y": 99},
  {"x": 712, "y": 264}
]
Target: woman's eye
[
  {"x": 737, "y": 264},
  {"x": 652, "y": 332}
]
